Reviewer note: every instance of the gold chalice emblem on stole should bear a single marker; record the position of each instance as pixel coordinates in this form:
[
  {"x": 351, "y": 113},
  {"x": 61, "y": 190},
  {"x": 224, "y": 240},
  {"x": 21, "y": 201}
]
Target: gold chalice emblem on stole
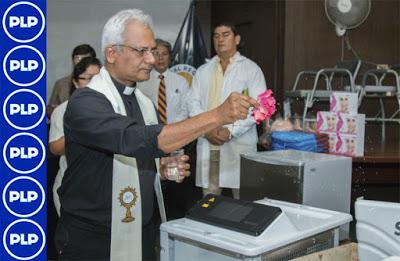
[{"x": 127, "y": 198}]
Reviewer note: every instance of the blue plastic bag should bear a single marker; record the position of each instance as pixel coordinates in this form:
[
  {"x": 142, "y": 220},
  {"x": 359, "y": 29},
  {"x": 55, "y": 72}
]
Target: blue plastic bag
[{"x": 297, "y": 140}]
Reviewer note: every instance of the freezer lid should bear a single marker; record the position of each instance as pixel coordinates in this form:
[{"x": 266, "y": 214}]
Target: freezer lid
[
  {"x": 295, "y": 223},
  {"x": 288, "y": 157}
]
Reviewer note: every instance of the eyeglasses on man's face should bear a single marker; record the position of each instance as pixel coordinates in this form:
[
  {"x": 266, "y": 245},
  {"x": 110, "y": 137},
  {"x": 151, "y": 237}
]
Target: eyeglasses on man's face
[{"x": 140, "y": 51}]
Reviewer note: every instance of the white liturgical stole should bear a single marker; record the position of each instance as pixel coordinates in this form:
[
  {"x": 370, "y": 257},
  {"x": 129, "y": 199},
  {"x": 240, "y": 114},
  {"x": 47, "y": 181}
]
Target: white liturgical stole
[{"x": 126, "y": 218}]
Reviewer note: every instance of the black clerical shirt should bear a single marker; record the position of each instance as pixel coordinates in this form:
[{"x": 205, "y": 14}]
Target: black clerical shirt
[{"x": 93, "y": 133}]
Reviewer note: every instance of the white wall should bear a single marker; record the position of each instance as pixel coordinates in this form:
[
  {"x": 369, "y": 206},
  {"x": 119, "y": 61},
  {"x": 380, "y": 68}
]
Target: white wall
[{"x": 73, "y": 22}]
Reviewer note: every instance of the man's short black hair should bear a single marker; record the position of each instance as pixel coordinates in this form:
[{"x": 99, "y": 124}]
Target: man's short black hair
[
  {"x": 83, "y": 49},
  {"x": 230, "y": 25}
]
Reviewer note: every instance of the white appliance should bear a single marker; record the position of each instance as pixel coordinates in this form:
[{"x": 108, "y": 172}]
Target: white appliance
[
  {"x": 314, "y": 179},
  {"x": 378, "y": 229},
  {"x": 298, "y": 231}
]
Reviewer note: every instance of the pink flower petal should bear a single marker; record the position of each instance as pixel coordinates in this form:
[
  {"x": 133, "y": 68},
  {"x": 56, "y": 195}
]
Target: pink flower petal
[{"x": 267, "y": 107}]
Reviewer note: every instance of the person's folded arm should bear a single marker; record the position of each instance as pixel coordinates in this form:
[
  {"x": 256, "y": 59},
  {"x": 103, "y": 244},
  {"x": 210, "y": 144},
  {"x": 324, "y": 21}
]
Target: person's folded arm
[
  {"x": 57, "y": 147},
  {"x": 56, "y": 132}
]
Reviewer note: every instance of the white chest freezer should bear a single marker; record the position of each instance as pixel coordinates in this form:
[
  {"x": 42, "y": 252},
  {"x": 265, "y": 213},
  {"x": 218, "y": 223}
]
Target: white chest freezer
[
  {"x": 299, "y": 230},
  {"x": 308, "y": 178}
]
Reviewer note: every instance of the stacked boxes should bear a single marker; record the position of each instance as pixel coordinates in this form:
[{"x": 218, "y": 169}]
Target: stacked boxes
[
  {"x": 344, "y": 102},
  {"x": 346, "y": 128}
]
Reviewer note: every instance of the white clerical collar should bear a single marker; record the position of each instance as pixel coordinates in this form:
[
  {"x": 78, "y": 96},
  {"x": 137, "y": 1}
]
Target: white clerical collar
[{"x": 129, "y": 90}]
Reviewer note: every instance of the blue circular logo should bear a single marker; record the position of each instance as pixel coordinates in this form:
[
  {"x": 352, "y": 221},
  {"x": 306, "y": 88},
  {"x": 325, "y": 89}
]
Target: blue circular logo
[
  {"x": 24, "y": 239},
  {"x": 23, "y": 22},
  {"x": 24, "y": 65},
  {"x": 23, "y": 197},
  {"x": 24, "y": 109},
  {"x": 24, "y": 153}
]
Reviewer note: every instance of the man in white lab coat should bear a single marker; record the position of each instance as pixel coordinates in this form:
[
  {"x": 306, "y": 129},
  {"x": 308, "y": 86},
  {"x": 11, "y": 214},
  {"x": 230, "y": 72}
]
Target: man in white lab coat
[{"x": 218, "y": 152}]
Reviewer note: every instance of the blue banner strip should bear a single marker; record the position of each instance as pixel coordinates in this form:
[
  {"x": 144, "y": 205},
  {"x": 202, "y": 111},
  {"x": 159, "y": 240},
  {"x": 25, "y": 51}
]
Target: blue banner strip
[{"x": 23, "y": 130}]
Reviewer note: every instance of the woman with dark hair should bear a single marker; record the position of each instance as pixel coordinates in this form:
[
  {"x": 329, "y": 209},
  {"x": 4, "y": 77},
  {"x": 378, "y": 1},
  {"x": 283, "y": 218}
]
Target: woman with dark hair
[{"x": 82, "y": 74}]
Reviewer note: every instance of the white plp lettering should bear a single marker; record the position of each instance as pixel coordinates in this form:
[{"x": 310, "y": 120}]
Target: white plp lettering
[
  {"x": 20, "y": 65},
  {"x": 16, "y": 152},
  {"x": 23, "y": 239},
  {"x": 20, "y": 21},
  {"x": 23, "y": 109},
  {"x": 23, "y": 196}
]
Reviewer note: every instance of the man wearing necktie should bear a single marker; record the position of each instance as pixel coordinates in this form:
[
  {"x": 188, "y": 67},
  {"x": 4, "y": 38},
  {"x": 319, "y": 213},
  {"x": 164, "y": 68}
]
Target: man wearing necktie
[
  {"x": 168, "y": 91},
  {"x": 165, "y": 88},
  {"x": 162, "y": 101}
]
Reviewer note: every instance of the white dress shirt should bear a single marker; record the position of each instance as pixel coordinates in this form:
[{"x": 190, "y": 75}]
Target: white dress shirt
[
  {"x": 176, "y": 88},
  {"x": 57, "y": 132}
]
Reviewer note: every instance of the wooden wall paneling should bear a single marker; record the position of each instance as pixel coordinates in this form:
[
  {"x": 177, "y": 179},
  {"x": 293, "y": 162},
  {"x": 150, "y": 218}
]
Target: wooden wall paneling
[
  {"x": 310, "y": 39},
  {"x": 378, "y": 39},
  {"x": 311, "y": 43}
]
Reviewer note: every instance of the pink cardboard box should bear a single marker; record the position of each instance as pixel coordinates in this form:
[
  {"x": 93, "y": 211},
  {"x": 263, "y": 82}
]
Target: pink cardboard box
[
  {"x": 341, "y": 122},
  {"x": 351, "y": 145},
  {"x": 333, "y": 143},
  {"x": 344, "y": 102},
  {"x": 334, "y": 146},
  {"x": 327, "y": 121},
  {"x": 346, "y": 132},
  {"x": 351, "y": 123},
  {"x": 346, "y": 144}
]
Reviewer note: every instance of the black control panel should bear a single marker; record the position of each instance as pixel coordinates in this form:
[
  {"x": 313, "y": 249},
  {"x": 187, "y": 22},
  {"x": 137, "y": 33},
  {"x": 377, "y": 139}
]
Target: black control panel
[{"x": 237, "y": 215}]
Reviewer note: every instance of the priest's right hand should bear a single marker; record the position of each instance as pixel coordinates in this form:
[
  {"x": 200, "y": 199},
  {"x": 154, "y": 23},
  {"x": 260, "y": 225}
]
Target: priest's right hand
[{"x": 235, "y": 107}]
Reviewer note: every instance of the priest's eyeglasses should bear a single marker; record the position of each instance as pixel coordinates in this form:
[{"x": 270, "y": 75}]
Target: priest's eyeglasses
[{"x": 140, "y": 51}]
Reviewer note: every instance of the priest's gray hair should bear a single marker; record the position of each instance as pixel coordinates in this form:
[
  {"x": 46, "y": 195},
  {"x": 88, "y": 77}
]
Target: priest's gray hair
[{"x": 115, "y": 26}]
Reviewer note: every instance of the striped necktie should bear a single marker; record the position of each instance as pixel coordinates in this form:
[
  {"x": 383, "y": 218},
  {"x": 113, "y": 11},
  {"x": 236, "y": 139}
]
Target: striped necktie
[{"x": 162, "y": 101}]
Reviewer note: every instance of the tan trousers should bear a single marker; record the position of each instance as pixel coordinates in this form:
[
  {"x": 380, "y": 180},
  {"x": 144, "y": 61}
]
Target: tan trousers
[{"x": 213, "y": 179}]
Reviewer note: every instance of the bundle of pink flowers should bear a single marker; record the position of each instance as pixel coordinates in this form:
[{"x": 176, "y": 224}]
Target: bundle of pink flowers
[{"x": 267, "y": 107}]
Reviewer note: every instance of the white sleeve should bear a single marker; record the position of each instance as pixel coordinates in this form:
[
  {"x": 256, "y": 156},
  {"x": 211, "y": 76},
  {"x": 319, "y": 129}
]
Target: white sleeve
[
  {"x": 184, "y": 88},
  {"x": 256, "y": 84},
  {"x": 194, "y": 96},
  {"x": 57, "y": 123}
]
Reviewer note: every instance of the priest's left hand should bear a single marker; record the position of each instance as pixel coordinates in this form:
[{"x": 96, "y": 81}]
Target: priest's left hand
[{"x": 183, "y": 167}]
